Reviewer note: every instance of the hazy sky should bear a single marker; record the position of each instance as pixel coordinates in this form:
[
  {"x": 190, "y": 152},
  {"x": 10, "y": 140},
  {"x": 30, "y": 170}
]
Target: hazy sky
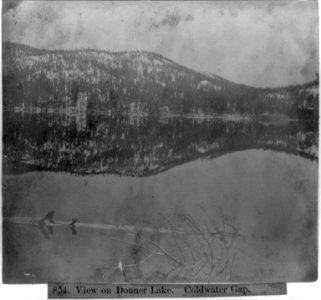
[{"x": 259, "y": 44}]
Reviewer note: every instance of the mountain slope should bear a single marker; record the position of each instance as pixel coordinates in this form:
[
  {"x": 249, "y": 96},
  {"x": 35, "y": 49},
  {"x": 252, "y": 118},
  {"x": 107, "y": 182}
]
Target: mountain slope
[{"x": 137, "y": 80}]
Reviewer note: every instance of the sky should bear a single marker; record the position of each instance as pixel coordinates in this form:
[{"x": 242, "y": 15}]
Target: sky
[{"x": 263, "y": 44}]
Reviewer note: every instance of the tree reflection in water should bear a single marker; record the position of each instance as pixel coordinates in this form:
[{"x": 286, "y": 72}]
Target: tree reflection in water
[{"x": 139, "y": 146}]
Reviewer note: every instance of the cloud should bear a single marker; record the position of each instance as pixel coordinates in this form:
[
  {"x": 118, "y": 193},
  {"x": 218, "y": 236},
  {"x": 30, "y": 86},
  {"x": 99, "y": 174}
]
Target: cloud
[
  {"x": 172, "y": 18},
  {"x": 255, "y": 43},
  {"x": 189, "y": 18}
]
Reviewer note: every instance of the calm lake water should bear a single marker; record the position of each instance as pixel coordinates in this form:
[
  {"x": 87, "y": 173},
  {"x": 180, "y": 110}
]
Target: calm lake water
[{"x": 222, "y": 200}]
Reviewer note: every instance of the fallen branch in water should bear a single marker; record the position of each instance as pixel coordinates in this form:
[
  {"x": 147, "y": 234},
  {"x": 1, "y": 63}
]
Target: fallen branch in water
[{"x": 183, "y": 251}]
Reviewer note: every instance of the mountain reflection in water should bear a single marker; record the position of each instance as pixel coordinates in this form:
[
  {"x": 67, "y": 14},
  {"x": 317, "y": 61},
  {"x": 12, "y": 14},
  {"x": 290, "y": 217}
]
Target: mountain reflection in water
[{"x": 139, "y": 146}]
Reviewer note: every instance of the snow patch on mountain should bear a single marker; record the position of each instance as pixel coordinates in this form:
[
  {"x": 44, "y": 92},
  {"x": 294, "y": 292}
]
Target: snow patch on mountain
[
  {"x": 206, "y": 85},
  {"x": 314, "y": 90}
]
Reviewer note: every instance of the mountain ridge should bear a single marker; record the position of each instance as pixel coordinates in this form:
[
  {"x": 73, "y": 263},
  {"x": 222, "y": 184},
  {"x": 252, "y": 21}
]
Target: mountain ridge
[
  {"x": 208, "y": 74},
  {"x": 32, "y": 48}
]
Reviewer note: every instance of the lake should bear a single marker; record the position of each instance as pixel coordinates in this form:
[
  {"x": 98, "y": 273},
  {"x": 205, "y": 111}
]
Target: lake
[{"x": 159, "y": 200}]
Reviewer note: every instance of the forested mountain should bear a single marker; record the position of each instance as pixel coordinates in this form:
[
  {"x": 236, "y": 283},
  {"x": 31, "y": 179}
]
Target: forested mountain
[{"x": 137, "y": 82}]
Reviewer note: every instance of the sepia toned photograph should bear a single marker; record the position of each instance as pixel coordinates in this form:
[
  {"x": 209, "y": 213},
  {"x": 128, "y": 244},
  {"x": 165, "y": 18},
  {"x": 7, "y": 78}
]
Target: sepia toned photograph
[{"x": 160, "y": 141}]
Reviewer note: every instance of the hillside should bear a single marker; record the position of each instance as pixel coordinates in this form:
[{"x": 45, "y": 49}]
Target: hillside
[{"x": 139, "y": 82}]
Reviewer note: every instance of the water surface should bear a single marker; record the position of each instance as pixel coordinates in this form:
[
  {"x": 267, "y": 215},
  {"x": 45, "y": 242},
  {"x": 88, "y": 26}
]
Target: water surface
[{"x": 238, "y": 200}]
